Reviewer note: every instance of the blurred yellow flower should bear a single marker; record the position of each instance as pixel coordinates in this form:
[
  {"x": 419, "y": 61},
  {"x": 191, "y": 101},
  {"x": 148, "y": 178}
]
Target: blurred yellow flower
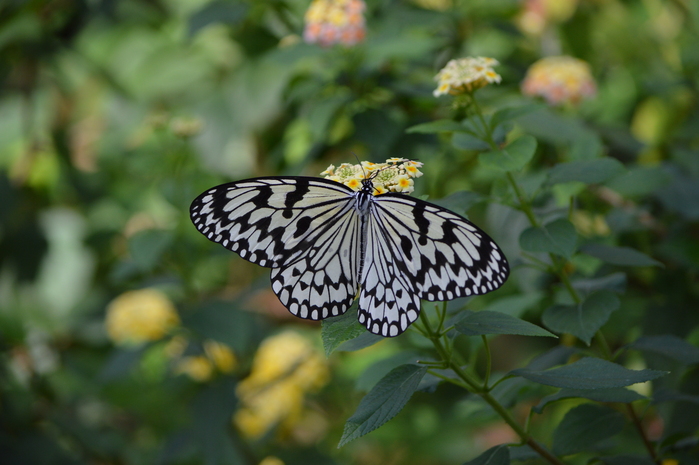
[
  {"x": 537, "y": 14},
  {"x": 272, "y": 460},
  {"x": 221, "y": 355},
  {"x": 198, "y": 367},
  {"x": 466, "y": 75},
  {"x": 392, "y": 176},
  {"x": 285, "y": 368},
  {"x": 139, "y": 316},
  {"x": 437, "y": 5},
  {"x": 560, "y": 80},
  {"x": 331, "y": 22}
]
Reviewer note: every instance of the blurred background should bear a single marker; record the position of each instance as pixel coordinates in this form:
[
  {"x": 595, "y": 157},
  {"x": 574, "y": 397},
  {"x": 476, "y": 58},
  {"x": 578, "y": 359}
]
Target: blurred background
[{"x": 126, "y": 337}]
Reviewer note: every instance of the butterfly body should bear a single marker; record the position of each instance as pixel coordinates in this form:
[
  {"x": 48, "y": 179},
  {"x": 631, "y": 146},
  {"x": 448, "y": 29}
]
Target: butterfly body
[{"x": 326, "y": 243}]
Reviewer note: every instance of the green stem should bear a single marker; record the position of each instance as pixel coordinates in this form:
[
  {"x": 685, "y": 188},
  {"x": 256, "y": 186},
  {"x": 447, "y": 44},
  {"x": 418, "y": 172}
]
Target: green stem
[{"x": 488, "y": 362}]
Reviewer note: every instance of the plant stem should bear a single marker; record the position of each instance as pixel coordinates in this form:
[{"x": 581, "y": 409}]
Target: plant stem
[
  {"x": 639, "y": 427},
  {"x": 470, "y": 384},
  {"x": 488, "y": 362}
]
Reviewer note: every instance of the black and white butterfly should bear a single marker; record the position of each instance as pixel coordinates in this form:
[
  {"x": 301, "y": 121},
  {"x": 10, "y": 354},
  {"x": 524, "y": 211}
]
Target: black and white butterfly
[{"x": 326, "y": 243}]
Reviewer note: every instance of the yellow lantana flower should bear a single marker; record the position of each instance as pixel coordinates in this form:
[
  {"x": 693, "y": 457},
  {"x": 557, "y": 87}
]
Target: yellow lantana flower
[
  {"x": 466, "y": 75},
  {"x": 140, "y": 316}
]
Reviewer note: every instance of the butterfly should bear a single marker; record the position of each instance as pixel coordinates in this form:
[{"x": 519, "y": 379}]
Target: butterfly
[{"x": 327, "y": 244}]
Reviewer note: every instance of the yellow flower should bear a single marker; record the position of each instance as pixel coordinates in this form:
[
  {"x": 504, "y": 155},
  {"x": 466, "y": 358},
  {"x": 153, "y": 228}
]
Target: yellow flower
[
  {"x": 391, "y": 176},
  {"x": 330, "y": 22},
  {"x": 272, "y": 460},
  {"x": 560, "y": 80},
  {"x": 199, "y": 368},
  {"x": 139, "y": 316},
  {"x": 466, "y": 75},
  {"x": 221, "y": 355},
  {"x": 285, "y": 367}
]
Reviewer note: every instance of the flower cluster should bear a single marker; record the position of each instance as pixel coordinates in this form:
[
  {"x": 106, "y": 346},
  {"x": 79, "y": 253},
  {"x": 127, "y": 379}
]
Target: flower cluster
[
  {"x": 140, "y": 316},
  {"x": 466, "y": 75},
  {"x": 331, "y": 22},
  {"x": 395, "y": 175},
  {"x": 536, "y": 15},
  {"x": 560, "y": 80},
  {"x": 216, "y": 357},
  {"x": 285, "y": 368}
]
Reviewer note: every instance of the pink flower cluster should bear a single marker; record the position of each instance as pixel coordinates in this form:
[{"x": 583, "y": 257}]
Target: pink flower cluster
[
  {"x": 331, "y": 22},
  {"x": 560, "y": 80}
]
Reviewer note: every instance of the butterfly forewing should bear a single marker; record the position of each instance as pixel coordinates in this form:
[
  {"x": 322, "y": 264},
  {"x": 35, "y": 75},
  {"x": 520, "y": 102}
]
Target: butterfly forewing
[
  {"x": 270, "y": 221},
  {"x": 442, "y": 254}
]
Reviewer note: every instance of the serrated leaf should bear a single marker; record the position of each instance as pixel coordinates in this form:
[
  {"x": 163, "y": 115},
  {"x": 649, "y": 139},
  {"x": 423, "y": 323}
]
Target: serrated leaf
[
  {"x": 582, "y": 320},
  {"x": 383, "y": 402},
  {"x": 589, "y": 373},
  {"x": 487, "y": 322},
  {"x": 592, "y": 171},
  {"x": 669, "y": 346},
  {"x": 623, "y": 256},
  {"x": 442, "y": 125},
  {"x": 584, "y": 426},
  {"x": 336, "y": 330},
  {"x": 513, "y": 157},
  {"x": 621, "y": 395},
  {"x": 360, "y": 342},
  {"x": 558, "y": 237},
  {"x": 379, "y": 369},
  {"x": 498, "y": 455}
]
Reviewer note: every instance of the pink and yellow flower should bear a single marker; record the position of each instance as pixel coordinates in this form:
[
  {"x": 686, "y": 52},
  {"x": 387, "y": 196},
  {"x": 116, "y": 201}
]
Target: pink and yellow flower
[
  {"x": 560, "y": 80},
  {"x": 331, "y": 22}
]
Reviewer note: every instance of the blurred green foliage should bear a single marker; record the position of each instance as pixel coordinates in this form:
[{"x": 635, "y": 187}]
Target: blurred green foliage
[{"x": 114, "y": 116}]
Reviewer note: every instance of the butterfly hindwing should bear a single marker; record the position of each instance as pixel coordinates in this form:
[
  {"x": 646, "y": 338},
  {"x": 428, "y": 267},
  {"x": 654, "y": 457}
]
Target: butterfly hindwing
[
  {"x": 442, "y": 254},
  {"x": 387, "y": 303},
  {"x": 323, "y": 283}
]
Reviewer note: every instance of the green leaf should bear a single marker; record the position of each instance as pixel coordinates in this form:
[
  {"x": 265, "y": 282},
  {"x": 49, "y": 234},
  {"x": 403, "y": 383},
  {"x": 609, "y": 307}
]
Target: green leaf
[
  {"x": 379, "y": 369},
  {"x": 621, "y": 395},
  {"x": 362, "y": 341},
  {"x": 383, "y": 402},
  {"x": 588, "y": 171},
  {"x": 623, "y": 256},
  {"x": 441, "y": 125},
  {"x": 640, "y": 181},
  {"x": 487, "y": 322},
  {"x": 669, "y": 346},
  {"x": 461, "y": 201},
  {"x": 498, "y": 455},
  {"x": 513, "y": 157},
  {"x": 589, "y": 373},
  {"x": 515, "y": 305},
  {"x": 584, "y": 426},
  {"x": 336, "y": 330},
  {"x": 219, "y": 12},
  {"x": 584, "y": 319},
  {"x": 146, "y": 247},
  {"x": 511, "y": 113},
  {"x": 558, "y": 237},
  {"x": 466, "y": 141}
]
